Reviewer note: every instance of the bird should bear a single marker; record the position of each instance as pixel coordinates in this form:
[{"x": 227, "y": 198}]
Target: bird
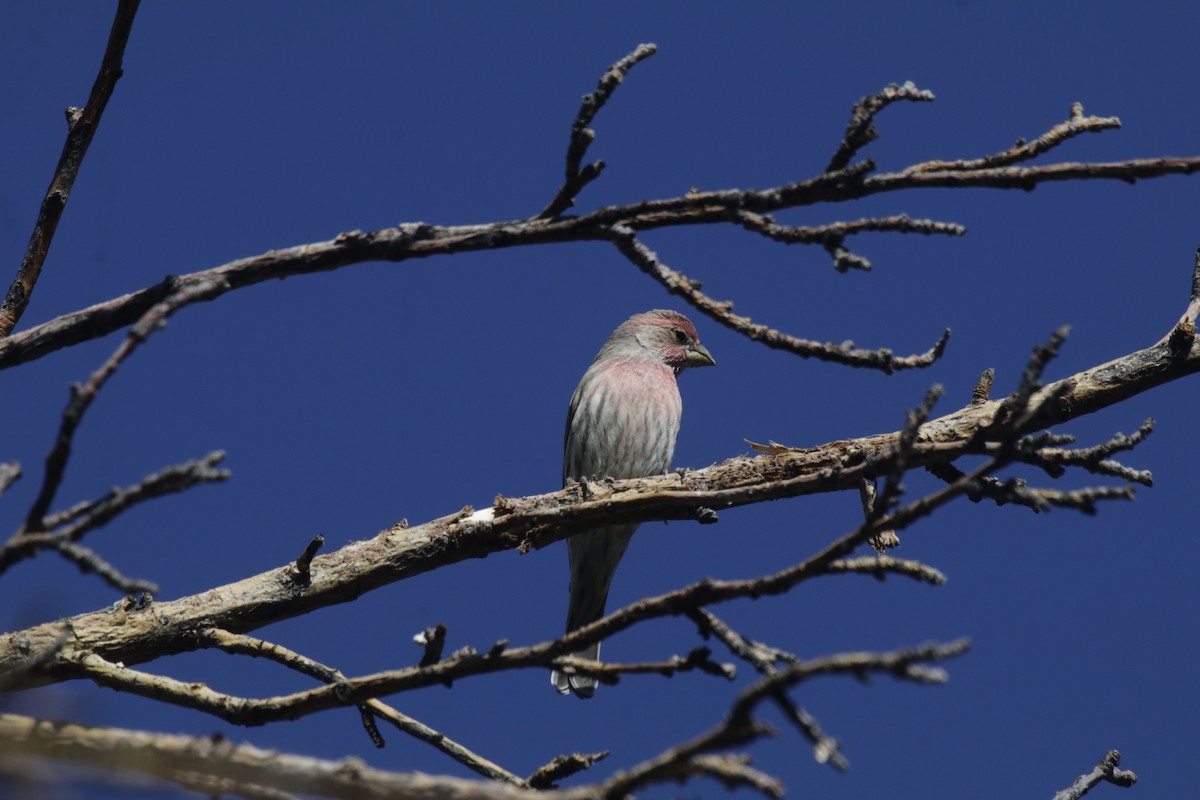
[{"x": 622, "y": 423}]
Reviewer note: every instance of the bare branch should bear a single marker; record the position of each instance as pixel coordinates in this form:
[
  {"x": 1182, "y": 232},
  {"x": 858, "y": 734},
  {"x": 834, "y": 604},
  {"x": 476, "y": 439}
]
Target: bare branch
[
  {"x": 983, "y": 388},
  {"x": 677, "y": 762},
  {"x": 1017, "y": 491},
  {"x": 882, "y": 541},
  {"x": 582, "y": 135},
  {"x": 1075, "y": 125},
  {"x": 90, "y": 561},
  {"x": 258, "y": 648},
  {"x": 563, "y": 767},
  {"x": 403, "y": 551},
  {"x": 33, "y": 659},
  {"x": 1096, "y": 459},
  {"x": 837, "y": 231},
  {"x": 10, "y": 473},
  {"x": 722, "y": 312},
  {"x": 833, "y": 235},
  {"x": 733, "y": 771},
  {"x": 908, "y": 663},
  {"x": 1107, "y": 770},
  {"x": 892, "y": 488},
  {"x": 764, "y": 659},
  {"x": 88, "y": 663},
  {"x": 433, "y": 640},
  {"x": 420, "y": 240},
  {"x": 89, "y": 515},
  {"x": 879, "y": 566},
  {"x": 860, "y": 132},
  {"x": 609, "y": 672},
  {"x": 1020, "y": 406},
  {"x": 82, "y": 396},
  {"x": 173, "y": 479},
  {"x": 241, "y": 765},
  {"x": 82, "y": 124},
  {"x": 739, "y": 727},
  {"x": 303, "y": 564}
]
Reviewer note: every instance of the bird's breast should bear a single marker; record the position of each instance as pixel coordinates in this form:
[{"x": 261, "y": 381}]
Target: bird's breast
[{"x": 625, "y": 422}]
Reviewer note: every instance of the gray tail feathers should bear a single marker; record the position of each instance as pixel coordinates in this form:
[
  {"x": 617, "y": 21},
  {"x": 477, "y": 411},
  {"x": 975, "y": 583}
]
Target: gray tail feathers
[
  {"x": 583, "y": 686},
  {"x": 587, "y": 605},
  {"x": 594, "y": 557}
]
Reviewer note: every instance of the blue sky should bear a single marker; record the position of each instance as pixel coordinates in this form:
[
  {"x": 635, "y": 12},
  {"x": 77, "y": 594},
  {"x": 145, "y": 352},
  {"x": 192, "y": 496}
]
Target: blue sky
[{"x": 349, "y": 400}]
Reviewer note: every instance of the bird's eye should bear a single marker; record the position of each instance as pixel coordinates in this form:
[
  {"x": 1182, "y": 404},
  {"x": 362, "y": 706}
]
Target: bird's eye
[{"x": 680, "y": 336}]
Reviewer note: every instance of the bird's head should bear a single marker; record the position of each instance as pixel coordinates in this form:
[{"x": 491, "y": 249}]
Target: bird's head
[{"x": 665, "y": 336}]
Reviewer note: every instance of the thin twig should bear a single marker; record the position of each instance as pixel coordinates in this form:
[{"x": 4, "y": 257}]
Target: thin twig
[
  {"x": 837, "y": 231},
  {"x": 859, "y": 130},
  {"x": 1182, "y": 336},
  {"x": 10, "y": 473},
  {"x": 833, "y": 235},
  {"x": 1031, "y": 378},
  {"x": 433, "y": 640},
  {"x": 545, "y": 777},
  {"x": 1018, "y": 492},
  {"x": 259, "y": 648},
  {"x": 610, "y": 672},
  {"x": 89, "y": 561},
  {"x": 983, "y": 387},
  {"x": 739, "y": 726},
  {"x": 1107, "y": 770},
  {"x": 1075, "y": 125},
  {"x": 764, "y": 659},
  {"x": 582, "y": 135},
  {"x": 868, "y": 494},
  {"x": 301, "y": 570},
  {"x": 82, "y": 124},
  {"x": 89, "y": 515},
  {"x": 892, "y": 487},
  {"x": 171, "y": 480},
  {"x": 732, "y": 771},
  {"x": 1095, "y": 459},
  {"x": 82, "y": 396},
  {"x": 722, "y": 311},
  {"x": 908, "y": 663}
]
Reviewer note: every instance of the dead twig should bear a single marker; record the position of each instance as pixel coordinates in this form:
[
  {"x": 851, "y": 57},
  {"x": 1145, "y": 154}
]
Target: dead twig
[
  {"x": 370, "y": 709},
  {"x": 81, "y": 125},
  {"x": 722, "y": 311},
  {"x": 1107, "y": 770},
  {"x": 582, "y": 136}
]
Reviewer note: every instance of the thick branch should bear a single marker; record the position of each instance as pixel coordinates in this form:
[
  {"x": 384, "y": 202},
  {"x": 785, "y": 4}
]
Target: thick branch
[
  {"x": 402, "y": 552},
  {"x": 168, "y": 757},
  {"x": 419, "y": 240}
]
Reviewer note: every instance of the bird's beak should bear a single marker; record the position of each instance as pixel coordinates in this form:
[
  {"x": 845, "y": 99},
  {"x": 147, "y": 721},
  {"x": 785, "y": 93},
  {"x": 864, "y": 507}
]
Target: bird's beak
[{"x": 698, "y": 356}]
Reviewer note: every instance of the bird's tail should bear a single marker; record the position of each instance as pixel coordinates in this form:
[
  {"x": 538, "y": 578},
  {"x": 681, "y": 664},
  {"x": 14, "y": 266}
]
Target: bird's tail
[
  {"x": 583, "y": 686},
  {"x": 594, "y": 558}
]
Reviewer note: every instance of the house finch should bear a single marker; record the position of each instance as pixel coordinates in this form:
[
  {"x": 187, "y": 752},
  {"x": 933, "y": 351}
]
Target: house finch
[{"x": 622, "y": 423}]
